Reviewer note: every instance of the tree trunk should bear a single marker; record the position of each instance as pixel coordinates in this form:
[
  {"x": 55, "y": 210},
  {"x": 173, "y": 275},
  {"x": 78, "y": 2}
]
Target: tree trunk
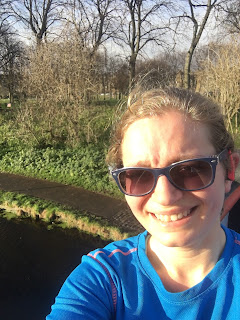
[
  {"x": 198, "y": 28},
  {"x": 187, "y": 69},
  {"x": 132, "y": 71}
]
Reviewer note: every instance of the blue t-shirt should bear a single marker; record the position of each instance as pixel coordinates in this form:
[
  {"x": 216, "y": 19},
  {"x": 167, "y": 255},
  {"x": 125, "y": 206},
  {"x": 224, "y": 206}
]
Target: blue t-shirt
[{"x": 119, "y": 282}]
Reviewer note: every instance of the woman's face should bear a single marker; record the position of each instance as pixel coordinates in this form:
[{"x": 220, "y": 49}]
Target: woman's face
[{"x": 157, "y": 142}]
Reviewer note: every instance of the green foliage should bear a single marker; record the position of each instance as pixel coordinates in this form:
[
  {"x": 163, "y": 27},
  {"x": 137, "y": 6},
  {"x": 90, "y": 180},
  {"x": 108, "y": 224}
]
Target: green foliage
[
  {"x": 105, "y": 102},
  {"x": 9, "y": 139},
  {"x": 3, "y": 103},
  {"x": 37, "y": 124},
  {"x": 33, "y": 152},
  {"x": 95, "y": 124},
  {"x": 83, "y": 166}
]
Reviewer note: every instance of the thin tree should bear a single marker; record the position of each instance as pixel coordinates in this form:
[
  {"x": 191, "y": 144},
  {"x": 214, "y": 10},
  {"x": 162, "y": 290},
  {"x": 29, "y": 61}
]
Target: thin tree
[
  {"x": 230, "y": 17},
  {"x": 38, "y": 16},
  {"x": 141, "y": 22},
  {"x": 198, "y": 26},
  {"x": 11, "y": 57},
  {"x": 93, "y": 20}
]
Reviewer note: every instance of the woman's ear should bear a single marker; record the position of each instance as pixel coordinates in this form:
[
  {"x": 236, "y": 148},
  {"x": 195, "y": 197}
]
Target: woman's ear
[{"x": 234, "y": 160}]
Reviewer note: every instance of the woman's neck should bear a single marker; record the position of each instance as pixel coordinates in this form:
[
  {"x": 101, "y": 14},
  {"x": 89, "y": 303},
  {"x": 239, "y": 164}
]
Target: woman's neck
[{"x": 182, "y": 268}]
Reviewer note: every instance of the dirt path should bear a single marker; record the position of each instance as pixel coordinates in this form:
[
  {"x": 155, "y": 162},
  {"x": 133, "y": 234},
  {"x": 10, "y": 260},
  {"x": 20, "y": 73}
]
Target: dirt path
[{"x": 116, "y": 211}]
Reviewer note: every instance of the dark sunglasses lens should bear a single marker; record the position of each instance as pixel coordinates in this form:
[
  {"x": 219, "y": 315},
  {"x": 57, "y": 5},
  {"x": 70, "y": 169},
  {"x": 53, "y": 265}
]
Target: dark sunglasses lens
[
  {"x": 192, "y": 175},
  {"x": 136, "y": 181}
]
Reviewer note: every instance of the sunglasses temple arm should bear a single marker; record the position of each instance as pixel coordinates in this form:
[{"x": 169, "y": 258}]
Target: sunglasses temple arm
[{"x": 223, "y": 155}]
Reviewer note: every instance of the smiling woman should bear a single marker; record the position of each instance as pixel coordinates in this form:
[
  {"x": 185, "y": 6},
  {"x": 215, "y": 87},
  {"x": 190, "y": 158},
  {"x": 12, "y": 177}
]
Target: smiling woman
[{"x": 174, "y": 160}]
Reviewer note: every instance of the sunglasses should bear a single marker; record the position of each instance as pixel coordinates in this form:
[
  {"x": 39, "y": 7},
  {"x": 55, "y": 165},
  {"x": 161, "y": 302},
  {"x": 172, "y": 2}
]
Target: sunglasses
[{"x": 187, "y": 175}]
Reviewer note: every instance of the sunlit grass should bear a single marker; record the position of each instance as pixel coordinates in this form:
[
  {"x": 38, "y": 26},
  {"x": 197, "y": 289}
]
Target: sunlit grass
[{"x": 25, "y": 206}]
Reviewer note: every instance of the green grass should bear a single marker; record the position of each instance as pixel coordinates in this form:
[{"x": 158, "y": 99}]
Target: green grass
[
  {"x": 107, "y": 102},
  {"x": 4, "y": 100},
  {"x": 84, "y": 167},
  {"x": 19, "y": 205},
  {"x": 3, "y": 103}
]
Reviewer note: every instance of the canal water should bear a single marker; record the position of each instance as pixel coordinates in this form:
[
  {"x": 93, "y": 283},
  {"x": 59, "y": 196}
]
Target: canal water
[{"x": 34, "y": 262}]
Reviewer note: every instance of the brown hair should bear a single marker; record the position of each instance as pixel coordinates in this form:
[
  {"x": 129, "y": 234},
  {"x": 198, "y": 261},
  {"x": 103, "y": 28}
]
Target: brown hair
[{"x": 159, "y": 101}]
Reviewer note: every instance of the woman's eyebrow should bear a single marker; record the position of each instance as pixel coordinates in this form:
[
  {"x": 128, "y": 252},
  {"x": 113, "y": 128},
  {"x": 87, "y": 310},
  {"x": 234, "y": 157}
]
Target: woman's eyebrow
[
  {"x": 144, "y": 164},
  {"x": 148, "y": 164},
  {"x": 189, "y": 157}
]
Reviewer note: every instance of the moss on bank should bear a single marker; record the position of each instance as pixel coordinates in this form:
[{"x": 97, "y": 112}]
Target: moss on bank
[{"x": 55, "y": 215}]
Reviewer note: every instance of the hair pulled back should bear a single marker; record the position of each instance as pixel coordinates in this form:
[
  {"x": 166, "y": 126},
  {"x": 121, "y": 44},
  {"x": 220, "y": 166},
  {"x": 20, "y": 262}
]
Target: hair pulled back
[{"x": 157, "y": 102}]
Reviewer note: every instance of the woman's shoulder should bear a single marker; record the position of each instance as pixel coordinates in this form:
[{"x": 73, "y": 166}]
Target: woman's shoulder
[
  {"x": 111, "y": 262},
  {"x": 232, "y": 243},
  {"x": 120, "y": 249}
]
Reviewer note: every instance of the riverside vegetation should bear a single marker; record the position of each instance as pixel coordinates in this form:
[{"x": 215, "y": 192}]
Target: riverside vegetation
[
  {"x": 14, "y": 205},
  {"x": 32, "y": 152}
]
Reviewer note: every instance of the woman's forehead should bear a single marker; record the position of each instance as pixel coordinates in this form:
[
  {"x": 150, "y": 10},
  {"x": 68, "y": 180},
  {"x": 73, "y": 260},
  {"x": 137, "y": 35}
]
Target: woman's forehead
[
  {"x": 172, "y": 123},
  {"x": 149, "y": 139}
]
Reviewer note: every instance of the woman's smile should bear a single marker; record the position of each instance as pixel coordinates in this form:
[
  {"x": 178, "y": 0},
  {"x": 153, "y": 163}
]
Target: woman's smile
[{"x": 172, "y": 217}]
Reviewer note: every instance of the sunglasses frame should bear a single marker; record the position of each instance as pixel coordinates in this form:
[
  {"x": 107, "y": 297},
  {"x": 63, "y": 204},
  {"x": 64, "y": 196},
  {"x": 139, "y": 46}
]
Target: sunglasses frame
[{"x": 157, "y": 172}]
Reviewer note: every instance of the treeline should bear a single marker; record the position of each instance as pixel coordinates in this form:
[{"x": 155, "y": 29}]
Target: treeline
[{"x": 134, "y": 28}]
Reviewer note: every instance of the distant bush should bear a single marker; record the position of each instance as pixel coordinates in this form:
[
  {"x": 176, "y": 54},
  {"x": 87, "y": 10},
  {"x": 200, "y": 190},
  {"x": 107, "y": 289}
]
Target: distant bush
[{"x": 220, "y": 79}]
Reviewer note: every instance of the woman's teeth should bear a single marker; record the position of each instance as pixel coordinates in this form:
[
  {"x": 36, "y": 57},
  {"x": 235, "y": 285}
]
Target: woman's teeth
[{"x": 173, "y": 217}]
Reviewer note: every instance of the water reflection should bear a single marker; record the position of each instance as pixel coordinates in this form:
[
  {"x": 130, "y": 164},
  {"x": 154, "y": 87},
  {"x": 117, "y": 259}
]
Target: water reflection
[{"x": 34, "y": 262}]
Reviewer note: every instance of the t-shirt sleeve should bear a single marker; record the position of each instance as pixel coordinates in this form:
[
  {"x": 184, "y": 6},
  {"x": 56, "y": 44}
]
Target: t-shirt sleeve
[{"x": 88, "y": 293}]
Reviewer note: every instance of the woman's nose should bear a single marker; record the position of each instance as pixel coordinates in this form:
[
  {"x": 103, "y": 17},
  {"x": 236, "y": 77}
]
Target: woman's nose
[{"x": 165, "y": 193}]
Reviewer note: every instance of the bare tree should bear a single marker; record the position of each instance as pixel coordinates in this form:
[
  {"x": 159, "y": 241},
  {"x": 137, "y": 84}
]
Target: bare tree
[
  {"x": 2, "y": 8},
  {"x": 38, "y": 16},
  {"x": 198, "y": 26},
  {"x": 4, "y": 15},
  {"x": 230, "y": 18},
  {"x": 4, "y": 35},
  {"x": 58, "y": 78},
  {"x": 93, "y": 20},
  {"x": 11, "y": 54},
  {"x": 141, "y": 22}
]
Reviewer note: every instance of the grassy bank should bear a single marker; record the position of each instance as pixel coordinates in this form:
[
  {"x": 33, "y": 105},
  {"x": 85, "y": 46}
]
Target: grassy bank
[
  {"x": 84, "y": 166},
  {"x": 34, "y": 151},
  {"x": 19, "y": 205}
]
